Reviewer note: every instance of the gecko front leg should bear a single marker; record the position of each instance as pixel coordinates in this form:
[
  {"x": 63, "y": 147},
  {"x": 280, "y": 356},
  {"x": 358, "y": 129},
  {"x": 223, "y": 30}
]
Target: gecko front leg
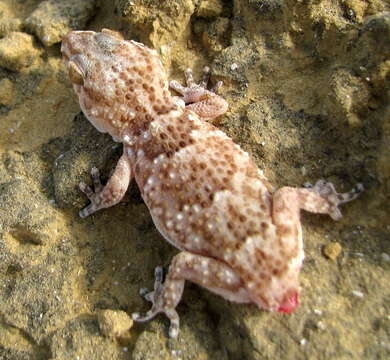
[
  {"x": 210, "y": 273},
  {"x": 112, "y": 192},
  {"x": 205, "y": 103}
]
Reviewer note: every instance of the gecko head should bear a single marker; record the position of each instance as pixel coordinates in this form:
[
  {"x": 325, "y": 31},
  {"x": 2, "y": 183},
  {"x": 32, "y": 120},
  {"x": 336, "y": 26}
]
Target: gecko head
[
  {"x": 90, "y": 43},
  {"x": 120, "y": 84}
]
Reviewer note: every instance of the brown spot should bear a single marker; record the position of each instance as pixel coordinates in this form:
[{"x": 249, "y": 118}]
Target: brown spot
[
  {"x": 108, "y": 102},
  {"x": 123, "y": 118},
  {"x": 242, "y": 218},
  {"x": 228, "y": 157},
  {"x": 260, "y": 255},
  {"x": 264, "y": 276},
  {"x": 277, "y": 263},
  {"x": 283, "y": 230},
  {"x": 264, "y": 226}
]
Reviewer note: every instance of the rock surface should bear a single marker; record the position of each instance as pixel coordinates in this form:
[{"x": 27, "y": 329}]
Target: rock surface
[
  {"x": 308, "y": 87},
  {"x": 53, "y": 19}
]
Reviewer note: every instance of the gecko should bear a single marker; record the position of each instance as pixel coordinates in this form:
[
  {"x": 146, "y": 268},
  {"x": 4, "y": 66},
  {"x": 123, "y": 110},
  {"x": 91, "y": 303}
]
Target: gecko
[{"x": 238, "y": 237}]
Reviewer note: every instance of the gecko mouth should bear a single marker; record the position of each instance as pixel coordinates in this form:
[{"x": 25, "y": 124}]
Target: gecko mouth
[{"x": 290, "y": 304}]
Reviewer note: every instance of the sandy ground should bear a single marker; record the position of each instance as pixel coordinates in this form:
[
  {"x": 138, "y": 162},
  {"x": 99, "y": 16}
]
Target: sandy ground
[{"x": 308, "y": 87}]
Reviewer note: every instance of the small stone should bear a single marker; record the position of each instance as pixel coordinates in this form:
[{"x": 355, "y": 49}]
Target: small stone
[
  {"x": 332, "y": 250},
  {"x": 114, "y": 323},
  {"x": 234, "y": 66},
  {"x": 7, "y": 92},
  {"x": 358, "y": 294},
  {"x": 53, "y": 19},
  {"x": 317, "y": 312},
  {"x": 303, "y": 342},
  {"x": 320, "y": 325},
  {"x": 17, "y": 50}
]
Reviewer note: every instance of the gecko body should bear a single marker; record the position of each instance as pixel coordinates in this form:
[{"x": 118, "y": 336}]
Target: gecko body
[{"x": 237, "y": 236}]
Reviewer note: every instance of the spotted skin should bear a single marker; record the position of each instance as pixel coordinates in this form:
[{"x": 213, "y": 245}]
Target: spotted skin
[{"x": 238, "y": 237}]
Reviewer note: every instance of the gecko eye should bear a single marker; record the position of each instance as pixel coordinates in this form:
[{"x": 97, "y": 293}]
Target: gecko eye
[
  {"x": 78, "y": 69},
  {"x": 75, "y": 74}
]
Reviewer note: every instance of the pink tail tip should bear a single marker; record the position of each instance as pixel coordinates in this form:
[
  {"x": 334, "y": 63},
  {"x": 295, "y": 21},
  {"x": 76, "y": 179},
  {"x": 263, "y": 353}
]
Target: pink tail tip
[{"x": 290, "y": 304}]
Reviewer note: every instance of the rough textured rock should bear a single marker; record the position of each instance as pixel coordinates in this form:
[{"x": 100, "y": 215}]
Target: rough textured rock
[
  {"x": 8, "y": 25},
  {"x": 17, "y": 50},
  {"x": 7, "y": 92},
  {"x": 52, "y": 19},
  {"x": 308, "y": 87}
]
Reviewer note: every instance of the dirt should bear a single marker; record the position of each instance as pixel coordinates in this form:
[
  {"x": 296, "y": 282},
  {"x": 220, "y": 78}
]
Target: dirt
[{"x": 308, "y": 87}]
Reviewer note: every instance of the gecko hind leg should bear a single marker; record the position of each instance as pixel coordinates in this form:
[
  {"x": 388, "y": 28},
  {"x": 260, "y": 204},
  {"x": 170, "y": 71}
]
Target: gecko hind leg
[
  {"x": 158, "y": 306},
  {"x": 207, "y": 272},
  {"x": 327, "y": 191}
]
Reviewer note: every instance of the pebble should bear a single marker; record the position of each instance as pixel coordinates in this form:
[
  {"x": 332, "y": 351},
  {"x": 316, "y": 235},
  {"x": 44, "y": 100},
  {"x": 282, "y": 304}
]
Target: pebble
[
  {"x": 357, "y": 293},
  {"x": 114, "y": 323},
  {"x": 332, "y": 250}
]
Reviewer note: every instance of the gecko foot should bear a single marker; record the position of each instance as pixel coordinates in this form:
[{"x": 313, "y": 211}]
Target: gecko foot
[
  {"x": 327, "y": 191},
  {"x": 93, "y": 196},
  {"x": 205, "y": 103},
  {"x": 156, "y": 297},
  {"x": 194, "y": 92}
]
